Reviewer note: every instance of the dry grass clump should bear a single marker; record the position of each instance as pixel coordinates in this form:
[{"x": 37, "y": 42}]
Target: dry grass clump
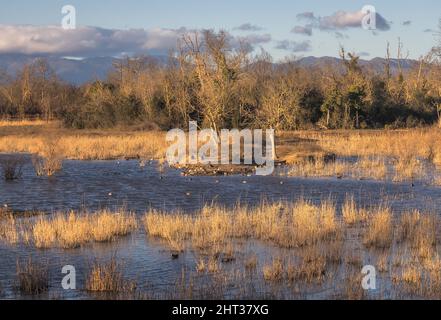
[
  {"x": 251, "y": 263},
  {"x": 274, "y": 271},
  {"x": 436, "y": 159},
  {"x": 320, "y": 168},
  {"x": 436, "y": 181},
  {"x": 371, "y": 167},
  {"x": 296, "y": 225},
  {"x": 419, "y": 231},
  {"x": 32, "y": 278},
  {"x": 312, "y": 268},
  {"x": 73, "y": 230},
  {"x": 108, "y": 278},
  {"x": 352, "y": 288},
  {"x": 379, "y": 232},
  {"x": 174, "y": 228},
  {"x": 12, "y": 167},
  {"x": 286, "y": 225},
  {"x": 49, "y": 158},
  {"x": 211, "y": 265},
  {"x": 351, "y": 213},
  {"x": 8, "y": 230},
  {"x": 407, "y": 168}
]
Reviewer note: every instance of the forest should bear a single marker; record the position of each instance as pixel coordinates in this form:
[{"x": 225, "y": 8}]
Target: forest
[{"x": 220, "y": 85}]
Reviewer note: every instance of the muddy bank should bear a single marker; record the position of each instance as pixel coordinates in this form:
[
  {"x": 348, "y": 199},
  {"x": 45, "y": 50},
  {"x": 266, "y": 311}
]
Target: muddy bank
[{"x": 220, "y": 170}]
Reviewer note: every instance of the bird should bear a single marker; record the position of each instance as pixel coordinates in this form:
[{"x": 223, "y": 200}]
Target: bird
[
  {"x": 110, "y": 194},
  {"x": 5, "y": 205},
  {"x": 281, "y": 182}
]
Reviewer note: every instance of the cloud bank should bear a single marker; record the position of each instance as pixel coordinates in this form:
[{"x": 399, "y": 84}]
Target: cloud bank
[{"x": 95, "y": 41}]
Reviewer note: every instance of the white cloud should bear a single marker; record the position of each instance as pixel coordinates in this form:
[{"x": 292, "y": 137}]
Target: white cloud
[
  {"x": 306, "y": 30},
  {"x": 294, "y": 46},
  {"x": 248, "y": 27},
  {"x": 85, "y": 41},
  {"x": 94, "y": 41},
  {"x": 341, "y": 20}
]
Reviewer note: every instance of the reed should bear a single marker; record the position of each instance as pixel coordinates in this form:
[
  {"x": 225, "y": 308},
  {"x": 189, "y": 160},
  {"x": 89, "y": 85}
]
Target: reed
[
  {"x": 73, "y": 230},
  {"x": 8, "y": 230},
  {"x": 108, "y": 278},
  {"x": 32, "y": 278},
  {"x": 379, "y": 232}
]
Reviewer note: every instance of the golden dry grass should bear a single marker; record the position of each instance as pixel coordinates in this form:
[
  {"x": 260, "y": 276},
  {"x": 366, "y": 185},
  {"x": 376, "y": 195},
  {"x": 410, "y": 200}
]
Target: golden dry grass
[
  {"x": 119, "y": 143},
  {"x": 407, "y": 150},
  {"x": 371, "y": 167},
  {"x": 274, "y": 271},
  {"x": 379, "y": 232},
  {"x": 284, "y": 224},
  {"x": 92, "y": 147},
  {"x": 8, "y": 230},
  {"x": 108, "y": 278},
  {"x": 320, "y": 168},
  {"x": 32, "y": 278},
  {"x": 73, "y": 230},
  {"x": 22, "y": 123},
  {"x": 316, "y": 241},
  {"x": 392, "y": 143},
  {"x": 352, "y": 213}
]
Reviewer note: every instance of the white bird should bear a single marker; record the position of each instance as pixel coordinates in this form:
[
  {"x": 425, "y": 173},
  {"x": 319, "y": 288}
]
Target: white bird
[
  {"x": 110, "y": 194},
  {"x": 5, "y": 205}
]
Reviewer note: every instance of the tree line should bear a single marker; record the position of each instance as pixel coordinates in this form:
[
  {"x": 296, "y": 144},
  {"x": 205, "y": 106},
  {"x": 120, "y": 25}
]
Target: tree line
[{"x": 223, "y": 85}]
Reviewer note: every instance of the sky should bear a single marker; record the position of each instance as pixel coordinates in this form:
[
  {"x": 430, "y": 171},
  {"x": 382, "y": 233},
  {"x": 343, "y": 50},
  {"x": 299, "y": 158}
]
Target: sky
[{"x": 281, "y": 27}]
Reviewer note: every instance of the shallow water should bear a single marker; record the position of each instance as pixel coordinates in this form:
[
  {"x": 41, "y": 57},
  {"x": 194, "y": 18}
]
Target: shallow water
[{"x": 110, "y": 184}]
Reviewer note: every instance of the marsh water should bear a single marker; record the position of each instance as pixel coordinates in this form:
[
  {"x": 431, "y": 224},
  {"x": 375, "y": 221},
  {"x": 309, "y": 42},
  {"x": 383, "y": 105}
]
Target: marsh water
[{"x": 112, "y": 184}]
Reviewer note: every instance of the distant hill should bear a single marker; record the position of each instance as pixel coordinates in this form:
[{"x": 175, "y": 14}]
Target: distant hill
[
  {"x": 376, "y": 64},
  {"x": 80, "y": 71}
]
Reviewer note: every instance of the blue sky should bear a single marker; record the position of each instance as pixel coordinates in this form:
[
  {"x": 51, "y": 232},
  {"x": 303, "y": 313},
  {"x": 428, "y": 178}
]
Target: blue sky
[{"x": 275, "y": 19}]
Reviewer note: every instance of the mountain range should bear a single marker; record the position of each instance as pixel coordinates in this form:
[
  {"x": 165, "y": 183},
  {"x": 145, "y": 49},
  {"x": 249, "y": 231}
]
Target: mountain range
[{"x": 76, "y": 71}]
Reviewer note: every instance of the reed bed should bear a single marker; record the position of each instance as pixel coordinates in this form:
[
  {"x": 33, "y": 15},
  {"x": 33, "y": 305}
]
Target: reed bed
[
  {"x": 406, "y": 152},
  {"x": 389, "y": 143},
  {"x": 73, "y": 230},
  {"x": 283, "y": 224},
  {"x": 321, "y": 240},
  {"x": 90, "y": 145},
  {"x": 309, "y": 245}
]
